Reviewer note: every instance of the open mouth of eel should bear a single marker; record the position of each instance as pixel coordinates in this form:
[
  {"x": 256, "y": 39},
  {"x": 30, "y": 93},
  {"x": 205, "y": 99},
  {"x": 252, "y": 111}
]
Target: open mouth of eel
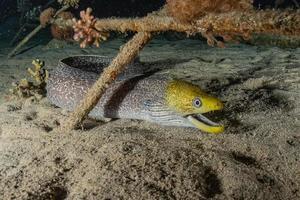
[{"x": 203, "y": 123}]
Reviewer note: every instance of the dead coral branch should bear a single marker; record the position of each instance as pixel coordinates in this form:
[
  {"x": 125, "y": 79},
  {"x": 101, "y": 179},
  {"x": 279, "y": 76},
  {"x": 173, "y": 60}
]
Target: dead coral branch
[
  {"x": 236, "y": 23},
  {"x": 285, "y": 23},
  {"x": 146, "y": 24},
  {"x": 228, "y": 25}
]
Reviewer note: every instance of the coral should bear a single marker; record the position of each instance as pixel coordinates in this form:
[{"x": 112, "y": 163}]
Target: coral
[
  {"x": 188, "y": 10},
  {"x": 25, "y": 89},
  {"x": 148, "y": 24},
  {"x": 65, "y": 15},
  {"x": 61, "y": 28},
  {"x": 85, "y": 31},
  {"x": 39, "y": 74},
  {"x": 229, "y": 25},
  {"x": 46, "y": 16},
  {"x": 20, "y": 90},
  {"x": 246, "y": 23},
  {"x": 71, "y": 3}
]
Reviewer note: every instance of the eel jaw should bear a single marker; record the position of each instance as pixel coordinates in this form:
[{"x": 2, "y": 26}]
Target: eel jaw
[{"x": 201, "y": 122}]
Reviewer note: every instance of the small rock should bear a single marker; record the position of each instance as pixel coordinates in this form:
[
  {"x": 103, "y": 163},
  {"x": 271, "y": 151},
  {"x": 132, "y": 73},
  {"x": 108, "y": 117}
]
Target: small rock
[{"x": 29, "y": 102}]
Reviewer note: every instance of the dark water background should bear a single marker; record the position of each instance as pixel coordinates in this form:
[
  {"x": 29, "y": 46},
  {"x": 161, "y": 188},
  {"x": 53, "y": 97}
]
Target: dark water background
[{"x": 12, "y": 11}]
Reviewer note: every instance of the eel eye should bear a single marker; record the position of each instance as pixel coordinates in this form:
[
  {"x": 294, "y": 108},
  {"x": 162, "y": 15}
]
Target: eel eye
[{"x": 197, "y": 102}]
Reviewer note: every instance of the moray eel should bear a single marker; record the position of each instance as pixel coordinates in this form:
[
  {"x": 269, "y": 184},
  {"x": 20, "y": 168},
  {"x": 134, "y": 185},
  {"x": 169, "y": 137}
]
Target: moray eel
[{"x": 153, "y": 98}]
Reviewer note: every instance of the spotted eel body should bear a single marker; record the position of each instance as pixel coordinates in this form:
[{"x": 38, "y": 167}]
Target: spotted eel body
[{"x": 130, "y": 96}]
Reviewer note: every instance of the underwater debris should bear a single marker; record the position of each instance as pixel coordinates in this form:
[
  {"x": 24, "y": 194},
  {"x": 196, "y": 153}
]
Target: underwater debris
[{"x": 25, "y": 89}]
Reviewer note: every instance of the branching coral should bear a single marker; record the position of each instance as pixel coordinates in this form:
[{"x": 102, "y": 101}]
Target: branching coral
[
  {"x": 228, "y": 25},
  {"x": 85, "y": 31},
  {"x": 38, "y": 73},
  {"x": 36, "y": 89}
]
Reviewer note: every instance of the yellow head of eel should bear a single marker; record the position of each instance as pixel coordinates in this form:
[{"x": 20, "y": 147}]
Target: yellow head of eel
[{"x": 191, "y": 102}]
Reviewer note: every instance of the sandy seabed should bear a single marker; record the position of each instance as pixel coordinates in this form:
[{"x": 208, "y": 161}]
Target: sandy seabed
[{"x": 257, "y": 157}]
